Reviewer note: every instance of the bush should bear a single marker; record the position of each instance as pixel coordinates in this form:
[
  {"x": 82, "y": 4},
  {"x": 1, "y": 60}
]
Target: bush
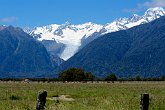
[
  {"x": 111, "y": 77},
  {"x": 163, "y": 78},
  {"x": 138, "y": 78},
  {"x": 75, "y": 74}
]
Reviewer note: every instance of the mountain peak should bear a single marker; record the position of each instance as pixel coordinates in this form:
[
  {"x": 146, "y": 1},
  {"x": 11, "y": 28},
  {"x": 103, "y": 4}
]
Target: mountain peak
[
  {"x": 2, "y": 27},
  {"x": 89, "y": 23},
  {"x": 155, "y": 9},
  {"x": 154, "y": 13},
  {"x": 14, "y": 29},
  {"x": 67, "y": 23},
  {"x": 134, "y": 18}
]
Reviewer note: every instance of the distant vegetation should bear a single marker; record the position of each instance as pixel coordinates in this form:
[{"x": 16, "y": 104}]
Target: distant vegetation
[
  {"x": 111, "y": 77},
  {"x": 77, "y": 74}
]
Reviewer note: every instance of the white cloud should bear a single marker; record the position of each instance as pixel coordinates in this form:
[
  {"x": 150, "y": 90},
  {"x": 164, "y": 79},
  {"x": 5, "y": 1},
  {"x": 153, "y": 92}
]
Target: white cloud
[
  {"x": 147, "y": 4},
  {"x": 8, "y": 19},
  {"x": 153, "y": 3},
  {"x": 133, "y": 10}
]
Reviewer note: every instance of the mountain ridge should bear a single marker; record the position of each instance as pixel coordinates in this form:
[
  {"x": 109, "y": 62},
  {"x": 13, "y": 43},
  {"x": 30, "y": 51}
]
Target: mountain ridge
[
  {"x": 22, "y": 56},
  {"x": 75, "y": 37},
  {"x": 138, "y": 51}
]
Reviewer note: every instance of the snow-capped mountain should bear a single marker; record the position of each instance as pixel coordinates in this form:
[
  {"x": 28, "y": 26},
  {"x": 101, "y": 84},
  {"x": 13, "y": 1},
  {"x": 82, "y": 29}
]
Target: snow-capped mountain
[
  {"x": 125, "y": 23},
  {"x": 69, "y": 38},
  {"x": 67, "y": 34}
]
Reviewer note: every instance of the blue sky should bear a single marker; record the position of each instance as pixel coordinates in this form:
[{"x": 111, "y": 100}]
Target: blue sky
[{"x": 30, "y": 13}]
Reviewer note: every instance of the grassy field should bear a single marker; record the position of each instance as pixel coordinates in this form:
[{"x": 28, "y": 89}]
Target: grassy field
[{"x": 88, "y": 96}]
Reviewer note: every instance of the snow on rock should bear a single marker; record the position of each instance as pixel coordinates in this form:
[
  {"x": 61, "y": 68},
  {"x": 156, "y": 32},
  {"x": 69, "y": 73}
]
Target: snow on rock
[
  {"x": 67, "y": 34},
  {"x": 71, "y": 35}
]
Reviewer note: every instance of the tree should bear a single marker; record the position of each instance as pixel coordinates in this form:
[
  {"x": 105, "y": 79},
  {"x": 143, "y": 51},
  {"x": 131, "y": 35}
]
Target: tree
[
  {"x": 138, "y": 78},
  {"x": 111, "y": 77},
  {"x": 75, "y": 74},
  {"x": 163, "y": 78}
]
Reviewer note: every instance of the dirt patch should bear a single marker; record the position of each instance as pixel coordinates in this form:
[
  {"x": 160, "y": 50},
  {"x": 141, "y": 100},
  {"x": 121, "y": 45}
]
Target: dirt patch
[{"x": 61, "y": 98}]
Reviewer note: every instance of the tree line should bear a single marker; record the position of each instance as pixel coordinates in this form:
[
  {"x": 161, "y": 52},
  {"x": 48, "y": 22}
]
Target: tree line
[{"x": 77, "y": 74}]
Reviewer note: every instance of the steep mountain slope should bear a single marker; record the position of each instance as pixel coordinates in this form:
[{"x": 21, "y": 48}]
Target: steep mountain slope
[
  {"x": 128, "y": 53},
  {"x": 21, "y": 55},
  {"x": 54, "y": 49},
  {"x": 69, "y": 38}
]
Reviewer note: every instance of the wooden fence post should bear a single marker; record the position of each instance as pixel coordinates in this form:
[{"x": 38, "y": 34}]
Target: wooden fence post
[
  {"x": 144, "y": 102},
  {"x": 41, "y": 101}
]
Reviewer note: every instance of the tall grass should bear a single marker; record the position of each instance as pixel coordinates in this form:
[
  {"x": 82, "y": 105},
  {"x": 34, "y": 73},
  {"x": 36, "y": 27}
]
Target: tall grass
[{"x": 88, "y": 96}]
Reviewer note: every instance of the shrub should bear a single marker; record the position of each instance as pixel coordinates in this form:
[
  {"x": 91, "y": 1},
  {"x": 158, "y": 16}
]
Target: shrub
[
  {"x": 111, "y": 77},
  {"x": 75, "y": 74}
]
